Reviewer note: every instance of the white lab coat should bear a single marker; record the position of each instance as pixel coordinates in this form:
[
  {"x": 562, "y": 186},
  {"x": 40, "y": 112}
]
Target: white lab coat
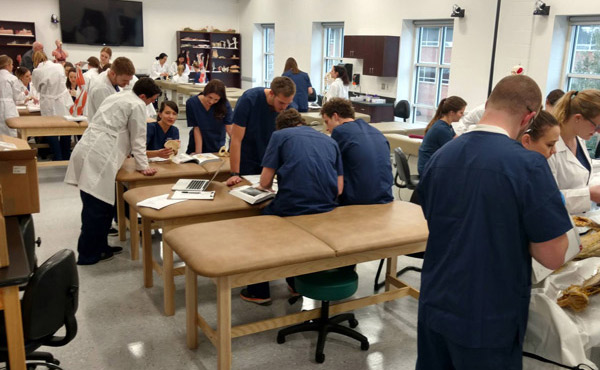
[
  {"x": 150, "y": 111},
  {"x": 469, "y": 120},
  {"x": 184, "y": 76},
  {"x": 30, "y": 92},
  {"x": 49, "y": 80},
  {"x": 157, "y": 69},
  {"x": 572, "y": 177},
  {"x": 90, "y": 75},
  {"x": 10, "y": 92},
  {"x": 100, "y": 89},
  {"x": 117, "y": 129},
  {"x": 338, "y": 90}
]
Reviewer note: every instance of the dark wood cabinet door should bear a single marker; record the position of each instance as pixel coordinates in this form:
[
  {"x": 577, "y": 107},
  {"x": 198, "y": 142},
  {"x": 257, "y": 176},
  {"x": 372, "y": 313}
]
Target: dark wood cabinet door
[{"x": 351, "y": 46}]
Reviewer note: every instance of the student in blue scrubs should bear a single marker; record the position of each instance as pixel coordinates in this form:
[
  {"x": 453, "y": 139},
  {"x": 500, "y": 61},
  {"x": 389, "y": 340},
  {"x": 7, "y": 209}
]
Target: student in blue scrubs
[
  {"x": 253, "y": 124},
  {"x": 309, "y": 172},
  {"x": 491, "y": 205},
  {"x": 439, "y": 131},
  {"x": 365, "y": 153},
  {"x": 157, "y": 133},
  {"x": 210, "y": 115},
  {"x": 303, "y": 86}
]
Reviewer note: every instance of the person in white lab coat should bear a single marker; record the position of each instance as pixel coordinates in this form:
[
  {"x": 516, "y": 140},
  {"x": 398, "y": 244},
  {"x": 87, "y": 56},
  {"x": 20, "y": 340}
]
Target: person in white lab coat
[
  {"x": 117, "y": 129},
  {"x": 339, "y": 87},
  {"x": 578, "y": 113},
  {"x": 183, "y": 77},
  {"x": 109, "y": 82},
  {"x": 30, "y": 94},
  {"x": 160, "y": 68},
  {"x": 150, "y": 111},
  {"x": 92, "y": 72},
  {"x": 10, "y": 93},
  {"x": 49, "y": 79}
]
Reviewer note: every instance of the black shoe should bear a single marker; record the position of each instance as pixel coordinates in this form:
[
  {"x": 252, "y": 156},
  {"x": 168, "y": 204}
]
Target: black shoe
[
  {"x": 251, "y": 298},
  {"x": 104, "y": 256},
  {"x": 115, "y": 250},
  {"x": 113, "y": 232}
]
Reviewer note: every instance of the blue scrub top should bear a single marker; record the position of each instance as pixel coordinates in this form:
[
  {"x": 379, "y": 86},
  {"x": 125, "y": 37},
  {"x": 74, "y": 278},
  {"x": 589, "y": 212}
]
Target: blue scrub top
[
  {"x": 302, "y": 82},
  {"x": 439, "y": 134},
  {"x": 307, "y": 165},
  {"x": 212, "y": 129},
  {"x": 581, "y": 157},
  {"x": 156, "y": 137},
  {"x": 485, "y": 199},
  {"x": 367, "y": 168},
  {"x": 254, "y": 113}
]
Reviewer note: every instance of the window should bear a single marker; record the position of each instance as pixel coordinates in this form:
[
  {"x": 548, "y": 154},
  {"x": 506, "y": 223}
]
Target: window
[
  {"x": 583, "y": 67},
  {"x": 268, "y": 54},
  {"x": 432, "y": 69},
  {"x": 333, "y": 45}
]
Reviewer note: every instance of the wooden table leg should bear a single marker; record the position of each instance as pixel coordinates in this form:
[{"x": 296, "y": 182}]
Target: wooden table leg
[
  {"x": 147, "y": 252},
  {"x": 224, "y": 323},
  {"x": 121, "y": 212},
  {"x": 14, "y": 327},
  {"x": 391, "y": 268},
  {"x": 134, "y": 233},
  {"x": 168, "y": 279},
  {"x": 191, "y": 307}
]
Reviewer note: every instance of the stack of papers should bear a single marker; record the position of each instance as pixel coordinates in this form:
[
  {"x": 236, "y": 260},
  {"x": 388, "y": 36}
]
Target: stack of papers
[
  {"x": 33, "y": 108},
  {"x": 158, "y": 202},
  {"x": 75, "y": 118},
  {"x": 203, "y": 195}
]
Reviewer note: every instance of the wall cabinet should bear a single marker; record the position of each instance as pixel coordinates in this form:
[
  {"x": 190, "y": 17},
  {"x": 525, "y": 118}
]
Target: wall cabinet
[
  {"x": 379, "y": 53},
  {"x": 220, "y": 52},
  {"x": 16, "y": 38},
  {"x": 378, "y": 112}
]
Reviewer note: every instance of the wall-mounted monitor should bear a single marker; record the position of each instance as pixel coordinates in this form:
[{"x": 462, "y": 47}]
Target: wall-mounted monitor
[{"x": 101, "y": 22}]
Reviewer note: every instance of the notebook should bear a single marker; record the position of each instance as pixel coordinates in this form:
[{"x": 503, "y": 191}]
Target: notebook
[{"x": 195, "y": 185}]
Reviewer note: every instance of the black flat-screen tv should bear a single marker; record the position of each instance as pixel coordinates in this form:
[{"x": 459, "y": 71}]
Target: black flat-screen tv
[{"x": 101, "y": 22}]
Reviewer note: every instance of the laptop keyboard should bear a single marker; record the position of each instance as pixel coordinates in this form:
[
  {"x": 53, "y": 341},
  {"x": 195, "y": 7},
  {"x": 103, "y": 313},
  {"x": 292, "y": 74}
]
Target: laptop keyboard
[{"x": 196, "y": 185}]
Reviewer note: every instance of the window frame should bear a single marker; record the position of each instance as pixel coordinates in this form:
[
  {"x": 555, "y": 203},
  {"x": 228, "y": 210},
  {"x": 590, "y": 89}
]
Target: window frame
[
  {"x": 574, "y": 28},
  {"x": 439, "y": 65},
  {"x": 325, "y": 63},
  {"x": 267, "y": 53}
]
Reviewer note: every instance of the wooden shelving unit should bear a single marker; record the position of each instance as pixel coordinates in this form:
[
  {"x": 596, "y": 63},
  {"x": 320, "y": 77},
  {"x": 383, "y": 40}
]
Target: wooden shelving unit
[
  {"x": 218, "y": 53},
  {"x": 15, "y": 44}
]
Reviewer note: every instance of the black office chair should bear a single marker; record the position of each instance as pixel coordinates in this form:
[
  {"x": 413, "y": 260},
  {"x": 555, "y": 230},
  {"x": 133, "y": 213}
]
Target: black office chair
[
  {"x": 49, "y": 303},
  {"x": 313, "y": 96},
  {"x": 403, "y": 179},
  {"x": 402, "y": 109}
]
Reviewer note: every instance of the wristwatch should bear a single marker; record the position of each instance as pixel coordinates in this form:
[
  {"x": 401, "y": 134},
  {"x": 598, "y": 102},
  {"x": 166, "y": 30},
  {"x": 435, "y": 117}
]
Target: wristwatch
[{"x": 234, "y": 174}]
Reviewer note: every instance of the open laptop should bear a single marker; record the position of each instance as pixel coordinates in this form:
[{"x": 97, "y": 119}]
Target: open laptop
[{"x": 195, "y": 185}]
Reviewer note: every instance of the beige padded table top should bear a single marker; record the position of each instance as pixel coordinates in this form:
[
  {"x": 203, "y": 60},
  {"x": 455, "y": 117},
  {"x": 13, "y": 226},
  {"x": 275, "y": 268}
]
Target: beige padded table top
[
  {"x": 244, "y": 244},
  {"x": 44, "y": 122},
  {"x": 402, "y": 128},
  {"x": 23, "y": 112},
  {"x": 169, "y": 170},
  {"x": 376, "y": 226}
]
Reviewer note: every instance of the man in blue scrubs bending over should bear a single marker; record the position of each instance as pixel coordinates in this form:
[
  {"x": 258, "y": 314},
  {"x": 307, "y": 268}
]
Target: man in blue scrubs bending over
[
  {"x": 490, "y": 205},
  {"x": 254, "y": 123}
]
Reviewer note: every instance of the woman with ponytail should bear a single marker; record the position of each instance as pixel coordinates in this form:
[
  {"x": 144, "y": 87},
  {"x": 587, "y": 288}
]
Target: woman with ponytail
[
  {"x": 439, "y": 130},
  {"x": 578, "y": 113}
]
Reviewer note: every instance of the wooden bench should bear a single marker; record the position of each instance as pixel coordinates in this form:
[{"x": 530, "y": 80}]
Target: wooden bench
[
  {"x": 167, "y": 173},
  {"x": 31, "y": 126},
  {"x": 223, "y": 206},
  {"x": 243, "y": 251}
]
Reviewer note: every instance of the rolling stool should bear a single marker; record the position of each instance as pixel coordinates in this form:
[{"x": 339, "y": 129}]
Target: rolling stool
[{"x": 326, "y": 286}]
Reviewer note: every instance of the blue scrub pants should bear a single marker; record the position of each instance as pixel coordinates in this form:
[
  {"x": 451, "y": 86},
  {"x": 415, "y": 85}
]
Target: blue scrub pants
[
  {"x": 96, "y": 217},
  {"x": 60, "y": 147},
  {"x": 435, "y": 352},
  {"x": 262, "y": 290}
]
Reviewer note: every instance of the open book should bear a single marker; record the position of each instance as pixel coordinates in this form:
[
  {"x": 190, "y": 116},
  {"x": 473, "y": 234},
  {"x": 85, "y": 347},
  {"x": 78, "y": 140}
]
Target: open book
[
  {"x": 251, "y": 194},
  {"x": 201, "y": 158}
]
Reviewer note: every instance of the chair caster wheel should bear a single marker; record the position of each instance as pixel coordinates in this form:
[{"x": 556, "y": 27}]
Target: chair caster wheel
[
  {"x": 280, "y": 339},
  {"x": 320, "y": 358},
  {"x": 364, "y": 346},
  {"x": 353, "y": 323}
]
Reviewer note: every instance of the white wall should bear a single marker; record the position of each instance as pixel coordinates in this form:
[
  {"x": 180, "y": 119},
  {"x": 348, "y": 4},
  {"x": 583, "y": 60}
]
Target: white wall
[{"x": 161, "y": 20}]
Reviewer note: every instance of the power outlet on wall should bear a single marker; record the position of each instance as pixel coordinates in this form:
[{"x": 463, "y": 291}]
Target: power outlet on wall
[{"x": 383, "y": 86}]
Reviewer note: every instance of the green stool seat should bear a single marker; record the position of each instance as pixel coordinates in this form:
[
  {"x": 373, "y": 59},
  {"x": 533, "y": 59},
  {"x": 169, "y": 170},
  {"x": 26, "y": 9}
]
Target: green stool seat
[
  {"x": 326, "y": 286},
  {"x": 330, "y": 285}
]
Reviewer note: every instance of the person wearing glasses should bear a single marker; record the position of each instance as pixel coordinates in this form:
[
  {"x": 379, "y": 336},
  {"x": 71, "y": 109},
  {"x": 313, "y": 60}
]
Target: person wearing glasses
[{"x": 578, "y": 113}]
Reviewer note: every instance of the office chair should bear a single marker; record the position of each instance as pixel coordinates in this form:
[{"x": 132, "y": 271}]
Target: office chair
[
  {"x": 402, "y": 109},
  {"x": 313, "y": 96},
  {"x": 403, "y": 179},
  {"x": 49, "y": 303},
  {"x": 326, "y": 286}
]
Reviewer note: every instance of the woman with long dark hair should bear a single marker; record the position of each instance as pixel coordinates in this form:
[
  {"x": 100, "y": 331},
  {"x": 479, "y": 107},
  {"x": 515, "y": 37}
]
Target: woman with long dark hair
[
  {"x": 181, "y": 61},
  {"x": 302, "y": 81},
  {"x": 439, "y": 130},
  {"x": 209, "y": 114},
  {"x": 160, "y": 68},
  {"x": 339, "y": 87}
]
